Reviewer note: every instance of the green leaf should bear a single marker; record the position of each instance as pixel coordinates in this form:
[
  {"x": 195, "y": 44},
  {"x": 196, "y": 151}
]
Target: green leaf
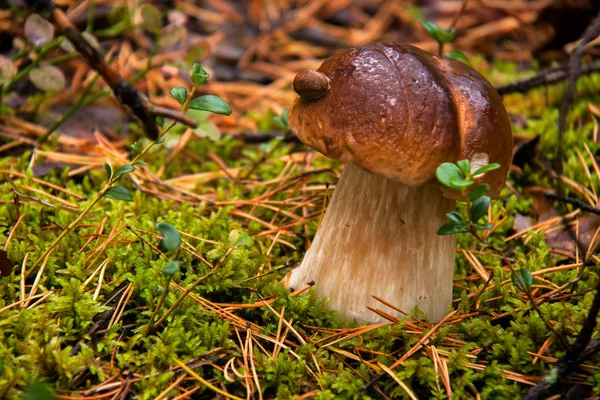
[
  {"x": 456, "y": 217},
  {"x": 483, "y": 226},
  {"x": 478, "y": 191},
  {"x": 479, "y": 208},
  {"x": 38, "y": 391},
  {"x": 160, "y": 140},
  {"x": 461, "y": 183},
  {"x": 151, "y": 18},
  {"x": 109, "y": 171},
  {"x": 486, "y": 168},
  {"x": 211, "y": 103},
  {"x": 125, "y": 169},
  {"x": 179, "y": 94},
  {"x": 448, "y": 173},
  {"x": 451, "y": 228},
  {"x": 160, "y": 121},
  {"x": 283, "y": 120},
  {"x": 457, "y": 55},
  {"x": 238, "y": 237},
  {"x": 199, "y": 75},
  {"x": 440, "y": 35},
  {"x": 140, "y": 163},
  {"x": 465, "y": 166},
  {"x": 171, "y": 238},
  {"x": 135, "y": 146},
  {"x": 171, "y": 268},
  {"x": 525, "y": 276},
  {"x": 119, "y": 193}
]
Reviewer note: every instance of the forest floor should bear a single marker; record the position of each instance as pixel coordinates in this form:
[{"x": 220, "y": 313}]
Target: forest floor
[{"x": 99, "y": 299}]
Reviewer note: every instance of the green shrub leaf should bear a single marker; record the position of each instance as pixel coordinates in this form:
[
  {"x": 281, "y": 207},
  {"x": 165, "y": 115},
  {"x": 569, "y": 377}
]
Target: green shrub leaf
[
  {"x": 465, "y": 166},
  {"x": 479, "y": 208},
  {"x": 486, "y": 168},
  {"x": 179, "y": 94},
  {"x": 456, "y": 217},
  {"x": 171, "y": 268},
  {"x": 119, "y": 193},
  {"x": 125, "y": 169},
  {"x": 199, "y": 75},
  {"x": 457, "y": 55},
  {"x": 211, "y": 103},
  {"x": 171, "y": 238},
  {"x": 440, "y": 35},
  {"x": 452, "y": 227},
  {"x": 450, "y": 175},
  {"x": 525, "y": 276},
  {"x": 478, "y": 191},
  {"x": 38, "y": 391},
  {"x": 109, "y": 171}
]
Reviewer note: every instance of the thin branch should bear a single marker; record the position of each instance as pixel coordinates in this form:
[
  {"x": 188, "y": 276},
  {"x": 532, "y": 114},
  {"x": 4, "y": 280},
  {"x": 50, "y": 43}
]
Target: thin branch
[
  {"x": 574, "y": 67},
  {"x": 545, "y": 77},
  {"x": 581, "y": 350},
  {"x": 584, "y": 206},
  {"x": 130, "y": 97}
]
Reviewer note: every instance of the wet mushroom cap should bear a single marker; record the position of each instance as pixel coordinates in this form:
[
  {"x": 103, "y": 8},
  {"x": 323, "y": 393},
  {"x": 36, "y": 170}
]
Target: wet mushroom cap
[{"x": 395, "y": 110}]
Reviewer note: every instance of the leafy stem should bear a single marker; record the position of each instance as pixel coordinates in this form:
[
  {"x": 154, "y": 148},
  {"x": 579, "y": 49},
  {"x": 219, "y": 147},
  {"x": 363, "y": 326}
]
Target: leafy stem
[{"x": 112, "y": 180}]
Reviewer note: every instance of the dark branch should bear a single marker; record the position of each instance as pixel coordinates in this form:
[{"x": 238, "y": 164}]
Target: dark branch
[
  {"x": 545, "y": 77},
  {"x": 584, "y": 206},
  {"x": 138, "y": 103}
]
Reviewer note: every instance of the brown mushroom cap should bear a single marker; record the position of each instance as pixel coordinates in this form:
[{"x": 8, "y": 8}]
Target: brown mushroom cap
[{"x": 394, "y": 110}]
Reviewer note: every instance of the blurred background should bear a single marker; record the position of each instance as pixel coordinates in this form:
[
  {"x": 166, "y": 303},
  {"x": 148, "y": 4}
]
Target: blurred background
[{"x": 254, "y": 48}]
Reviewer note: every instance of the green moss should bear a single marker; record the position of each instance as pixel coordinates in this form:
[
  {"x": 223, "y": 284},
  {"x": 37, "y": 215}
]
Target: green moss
[{"x": 37, "y": 343}]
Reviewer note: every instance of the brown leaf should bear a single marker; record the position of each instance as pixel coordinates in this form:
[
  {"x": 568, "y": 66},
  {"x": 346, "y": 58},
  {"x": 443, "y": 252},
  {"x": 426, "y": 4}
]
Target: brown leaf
[
  {"x": 7, "y": 69},
  {"x": 38, "y": 31},
  {"x": 561, "y": 240},
  {"x": 48, "y": 78}
]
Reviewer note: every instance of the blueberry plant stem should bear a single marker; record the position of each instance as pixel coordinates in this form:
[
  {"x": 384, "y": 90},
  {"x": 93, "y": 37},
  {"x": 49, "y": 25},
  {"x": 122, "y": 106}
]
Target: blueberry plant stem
[
  {"x": 188, "y": 290},
  {"x": 111, "y": 182}
]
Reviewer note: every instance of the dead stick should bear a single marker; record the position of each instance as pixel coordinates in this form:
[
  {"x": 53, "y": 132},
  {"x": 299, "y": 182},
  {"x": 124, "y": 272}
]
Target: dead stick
[
  {"x": 545, "y": 77},
  {"x": 130, "y": 97}
]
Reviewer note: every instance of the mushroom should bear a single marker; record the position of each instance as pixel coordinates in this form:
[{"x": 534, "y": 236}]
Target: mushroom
[{"x": 393, "y": 113}]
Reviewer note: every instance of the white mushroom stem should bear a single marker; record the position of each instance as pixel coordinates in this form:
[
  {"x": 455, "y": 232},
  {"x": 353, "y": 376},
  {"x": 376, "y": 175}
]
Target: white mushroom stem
[{"x": 378, "y": 238}]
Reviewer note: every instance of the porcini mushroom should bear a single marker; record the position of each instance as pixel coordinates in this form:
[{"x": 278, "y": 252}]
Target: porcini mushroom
[{"x": 393, "y": 113}]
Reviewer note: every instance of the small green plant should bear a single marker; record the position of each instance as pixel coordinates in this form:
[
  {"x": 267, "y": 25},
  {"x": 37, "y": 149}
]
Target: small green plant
[
  {"x": 461, "y": 178},
  {"x": 440, "y": 35},
  {"x": 38, "y": 391},
  {"x": 526, "y": 279},
  {"x": 282, "y": 120},
  {"x": 171, "y": 238},
  {"x": 170, "y": 242},
  {"x": 443, "y": 36}
]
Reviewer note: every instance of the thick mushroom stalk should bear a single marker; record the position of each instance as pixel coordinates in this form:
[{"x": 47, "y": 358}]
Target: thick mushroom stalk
[{"x": 378, "y": 238}]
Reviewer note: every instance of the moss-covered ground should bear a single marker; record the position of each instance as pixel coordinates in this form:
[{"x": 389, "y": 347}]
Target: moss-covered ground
[{"x": 79, "y": 321}]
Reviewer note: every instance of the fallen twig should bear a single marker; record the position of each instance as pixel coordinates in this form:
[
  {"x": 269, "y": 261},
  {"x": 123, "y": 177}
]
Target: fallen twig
[
  {"x": 545, "y": 77},
  {"x": 130, "y": 97}
]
